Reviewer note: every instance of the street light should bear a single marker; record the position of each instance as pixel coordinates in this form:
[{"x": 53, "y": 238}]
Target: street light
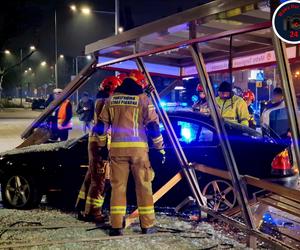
[
  {"x": 43, "y": 63},
  {"x": 29, "y": 69},
  {"x": 73, "y": 7},
  {"x": 61, "y": 56},
  {"x": 32, "y": 47},
  {"x": 89, "y": 57},
  {"x": 7, "y": 52},
  {"x": 87, "y": 11}
]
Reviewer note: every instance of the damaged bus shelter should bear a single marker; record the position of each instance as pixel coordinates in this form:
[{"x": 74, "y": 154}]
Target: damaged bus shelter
[{"x": 187, "y": 44}]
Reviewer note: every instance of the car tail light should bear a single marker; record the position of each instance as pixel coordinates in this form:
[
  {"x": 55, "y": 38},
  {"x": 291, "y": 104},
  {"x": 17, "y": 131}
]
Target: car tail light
[{"x": 281, "y": 164}]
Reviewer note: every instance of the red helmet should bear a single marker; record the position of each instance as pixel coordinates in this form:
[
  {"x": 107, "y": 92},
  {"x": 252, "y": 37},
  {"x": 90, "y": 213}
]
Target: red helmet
[
  {"x": 110, "y": 83},
  {"x": 199, "y": 88},
  {"x": 138, "y": 77},
  {"x": 248, "y": 95},
  {"x": 122, "y": 76}
]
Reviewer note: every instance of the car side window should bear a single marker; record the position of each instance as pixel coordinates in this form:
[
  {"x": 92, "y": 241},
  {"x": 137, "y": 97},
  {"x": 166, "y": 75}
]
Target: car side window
[
  {"x": 206, "y": 135},
  {"x": 189, "y": 133},
  {"x": 193, "y": 133}
]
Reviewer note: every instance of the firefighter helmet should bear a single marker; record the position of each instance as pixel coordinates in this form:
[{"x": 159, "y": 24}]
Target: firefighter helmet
[
  {"x": 110, "y": 83},
  {"x": 138, "y": 77},
  {"x": 248, "y": 95},
  {"x": 199, "y": 88},
  {"x": 122, "y": 76}
]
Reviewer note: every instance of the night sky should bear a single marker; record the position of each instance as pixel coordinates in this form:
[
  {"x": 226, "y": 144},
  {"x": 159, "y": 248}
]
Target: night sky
[{"x": 31, "y": 22}]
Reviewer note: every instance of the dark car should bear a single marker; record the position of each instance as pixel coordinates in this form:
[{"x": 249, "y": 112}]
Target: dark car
[
  {"x": 29, "y": 172},
  {"x": 39, "y": 103}
]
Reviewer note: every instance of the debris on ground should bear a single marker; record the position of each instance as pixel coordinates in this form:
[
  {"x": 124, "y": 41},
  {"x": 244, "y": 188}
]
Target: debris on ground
[{"x": 54, "y": 229}]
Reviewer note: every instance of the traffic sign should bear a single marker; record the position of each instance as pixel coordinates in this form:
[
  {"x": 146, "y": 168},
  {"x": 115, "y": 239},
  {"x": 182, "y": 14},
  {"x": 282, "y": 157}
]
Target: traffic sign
[
  {"x": 269, "y": 82},
  {"x": 258, "y": 84}
]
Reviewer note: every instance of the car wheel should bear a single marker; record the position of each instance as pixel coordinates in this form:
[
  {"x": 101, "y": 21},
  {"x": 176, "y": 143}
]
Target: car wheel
[
  {"x": 20, "y": 192},
  {"x": 220, "y": 195}
]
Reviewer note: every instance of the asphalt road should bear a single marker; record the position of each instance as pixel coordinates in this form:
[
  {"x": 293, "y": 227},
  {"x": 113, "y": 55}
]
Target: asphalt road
[{"x": 14, "y": 121}]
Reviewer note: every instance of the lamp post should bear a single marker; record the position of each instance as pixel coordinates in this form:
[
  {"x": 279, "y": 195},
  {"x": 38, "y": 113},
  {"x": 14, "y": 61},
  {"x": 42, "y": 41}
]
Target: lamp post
[
  {"x": 55, "y": 43},
  {"x": 87, "y": 11},
  {"x": 77, "y": 71},
  {"x": 2, "y": 72},
  {"x": 32, "y": 48}
]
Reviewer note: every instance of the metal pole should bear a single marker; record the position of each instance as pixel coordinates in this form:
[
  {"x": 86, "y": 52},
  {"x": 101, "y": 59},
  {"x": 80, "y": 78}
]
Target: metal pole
[
  {"x": 289, "y": 93},
  {"x": 116, "y": 17},
  {"x": 55, "y": 42},
  {"x": 222, "y": 135},
  {"x": 21, "y": 68},
  {"x": 76, "y": 71},
  {"x": 230, "y": 60}
]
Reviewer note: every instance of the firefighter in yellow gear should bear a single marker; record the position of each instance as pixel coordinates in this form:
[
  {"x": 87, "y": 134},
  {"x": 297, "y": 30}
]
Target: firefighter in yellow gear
[
  {"x": 91, "y": 195},
  {"x": 130, "y": 114},
  {"x": 232, "y": 108}
]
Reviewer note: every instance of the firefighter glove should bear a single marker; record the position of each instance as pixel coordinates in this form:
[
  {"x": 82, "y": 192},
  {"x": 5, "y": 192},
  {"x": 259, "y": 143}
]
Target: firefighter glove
[{"x": 162, "y": 155}]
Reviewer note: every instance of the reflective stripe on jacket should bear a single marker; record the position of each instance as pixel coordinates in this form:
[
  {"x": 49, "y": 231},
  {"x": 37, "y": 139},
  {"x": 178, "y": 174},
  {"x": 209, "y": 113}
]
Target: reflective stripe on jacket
[
  {"x": 128, "y": 116},
  {"x": 62, "y": 115},
  {"x": 93, "y": 135},
  {"x": 234, "y": 109}
]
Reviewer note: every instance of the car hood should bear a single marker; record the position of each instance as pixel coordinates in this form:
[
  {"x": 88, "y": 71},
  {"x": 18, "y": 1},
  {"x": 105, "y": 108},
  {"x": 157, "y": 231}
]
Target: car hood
[{"x": 48, "y": 147}]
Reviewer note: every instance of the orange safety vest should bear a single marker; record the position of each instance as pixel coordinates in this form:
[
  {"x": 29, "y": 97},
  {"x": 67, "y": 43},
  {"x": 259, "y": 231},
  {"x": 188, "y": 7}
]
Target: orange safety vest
[{"x": 62, "y": 116}]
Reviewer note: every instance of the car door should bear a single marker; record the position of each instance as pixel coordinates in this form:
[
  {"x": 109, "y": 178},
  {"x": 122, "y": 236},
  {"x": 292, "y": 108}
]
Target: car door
[{"x": 199, "y": 142}]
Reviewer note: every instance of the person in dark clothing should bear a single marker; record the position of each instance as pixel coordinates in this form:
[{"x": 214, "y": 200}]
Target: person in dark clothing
[
  {"x": 49, "y": 100},
  {"x": 277, "y": 98},
  {"x": 249, "y": 98},
  {"x": 85, "y": 111},
  {"x": 60, "y": 121},
  {"x": 201, "y": 105}
]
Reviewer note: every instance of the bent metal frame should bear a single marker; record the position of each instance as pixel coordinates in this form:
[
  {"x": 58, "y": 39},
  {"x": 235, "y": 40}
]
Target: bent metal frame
[{"x": 204, "y": 12}]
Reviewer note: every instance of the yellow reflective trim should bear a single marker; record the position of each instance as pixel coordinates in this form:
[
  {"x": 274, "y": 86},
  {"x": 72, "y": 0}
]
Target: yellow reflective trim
[
  {"x": 93, "y": 139},
  {"x": 135, "y": 122},
  {"x": 133, "y": 119},
  {"x": 146, "y": 207},
  {"x": 128, "y": 145},
  {"x": 158, "y": 139},
  {"x": 118, "y": 210},
  {"x": 151, "y": 107},
  {"x": 95, "y": 202},
  {"x": 97, "y": 137},
  {"x": 102, "y": 137},
  {"x": 146, "y": 210},
  {"x": 81, "y": 195}
]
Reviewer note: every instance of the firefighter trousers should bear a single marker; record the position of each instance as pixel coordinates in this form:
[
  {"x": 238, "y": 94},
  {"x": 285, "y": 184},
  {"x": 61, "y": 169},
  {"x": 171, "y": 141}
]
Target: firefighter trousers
[
  {"x": 92, "y": 192},
  {"x": 143, "y": 175}
]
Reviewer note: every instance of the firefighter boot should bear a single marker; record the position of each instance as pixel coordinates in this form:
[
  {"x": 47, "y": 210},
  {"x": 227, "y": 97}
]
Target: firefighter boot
[
  {"x": 115, "y": 232},
  {"x": 150, "y": 230}
]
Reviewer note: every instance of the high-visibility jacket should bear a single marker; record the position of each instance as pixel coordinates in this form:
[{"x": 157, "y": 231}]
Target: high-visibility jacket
[
  {"x": 252, "y": 122},
  {"x": 129, "y": 116},
  {"x": 234, "y": 109},
  {"x": 64, "y": 115}
]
